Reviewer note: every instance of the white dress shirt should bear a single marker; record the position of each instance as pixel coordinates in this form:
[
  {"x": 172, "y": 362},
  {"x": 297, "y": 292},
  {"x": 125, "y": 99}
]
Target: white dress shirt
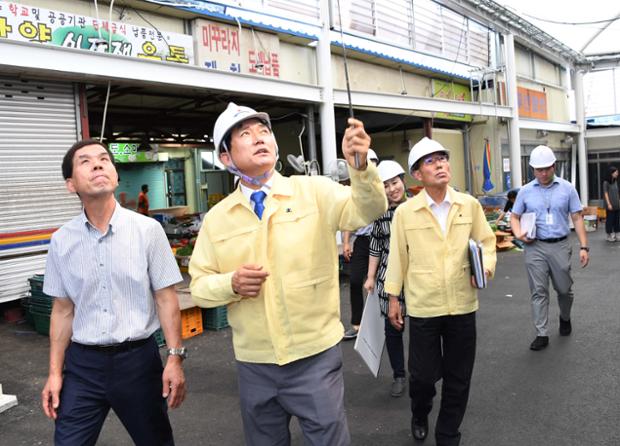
[
  {"x": 440, "y": 210},
  {"x": 248, "y": 191}
]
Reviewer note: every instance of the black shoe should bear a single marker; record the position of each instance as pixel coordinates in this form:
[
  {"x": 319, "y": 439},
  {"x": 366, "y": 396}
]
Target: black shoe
[
  {"x": 539, "y": 343},
  {"x": 350, "y": 334},
  {"x": 398, "y": 386},
  {"x": 565, "y": 327},
  {"x": 419, "y": 428}
]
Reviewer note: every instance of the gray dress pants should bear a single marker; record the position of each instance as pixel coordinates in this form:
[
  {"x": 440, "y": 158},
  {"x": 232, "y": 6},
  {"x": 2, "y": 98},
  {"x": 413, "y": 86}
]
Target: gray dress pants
[
  {"x": 311, "y": 389},
  {"x": 544, "y": 261}
]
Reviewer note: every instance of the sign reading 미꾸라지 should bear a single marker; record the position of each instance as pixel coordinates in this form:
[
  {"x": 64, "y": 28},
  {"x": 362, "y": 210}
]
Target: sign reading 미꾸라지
[{"x": 50, "y": 27}]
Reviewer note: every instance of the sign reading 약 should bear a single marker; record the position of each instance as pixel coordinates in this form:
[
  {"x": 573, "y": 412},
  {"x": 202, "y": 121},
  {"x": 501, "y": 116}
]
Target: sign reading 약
[{"x": 32, "y": 24}]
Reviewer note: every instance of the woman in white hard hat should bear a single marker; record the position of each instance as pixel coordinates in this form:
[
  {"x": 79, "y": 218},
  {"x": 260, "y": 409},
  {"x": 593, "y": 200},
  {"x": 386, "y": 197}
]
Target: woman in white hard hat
[{"x": 392, "y": 175}]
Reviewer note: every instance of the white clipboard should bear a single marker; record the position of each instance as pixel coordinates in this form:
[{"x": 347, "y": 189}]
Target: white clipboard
[{"x": 370, "y": 339}]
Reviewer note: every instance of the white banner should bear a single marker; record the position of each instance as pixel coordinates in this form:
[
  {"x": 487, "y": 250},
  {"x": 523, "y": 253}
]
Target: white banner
[
  {"x": 371, "y": 336},
  {"x": 50, "y": 27}
]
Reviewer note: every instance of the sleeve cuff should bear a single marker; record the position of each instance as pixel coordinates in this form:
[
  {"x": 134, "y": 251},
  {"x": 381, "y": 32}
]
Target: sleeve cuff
[{"x": 392, "y": 288}]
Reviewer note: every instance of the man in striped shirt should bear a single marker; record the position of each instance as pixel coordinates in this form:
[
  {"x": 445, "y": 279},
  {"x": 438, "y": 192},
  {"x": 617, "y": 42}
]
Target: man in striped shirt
[{"x": 112, "y": 274}]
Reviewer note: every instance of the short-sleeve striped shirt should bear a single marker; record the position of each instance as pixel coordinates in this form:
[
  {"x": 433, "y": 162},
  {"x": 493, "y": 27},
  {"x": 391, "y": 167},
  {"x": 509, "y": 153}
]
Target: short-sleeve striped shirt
[{"x": 111, "y": 277}]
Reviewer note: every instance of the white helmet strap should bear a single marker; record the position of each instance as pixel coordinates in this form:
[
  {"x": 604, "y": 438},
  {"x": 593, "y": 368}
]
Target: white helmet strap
[{"x": 256, "y": 181}]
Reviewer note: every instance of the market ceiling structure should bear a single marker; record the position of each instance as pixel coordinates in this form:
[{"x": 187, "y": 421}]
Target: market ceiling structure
[{"x": 186, "y": 115}]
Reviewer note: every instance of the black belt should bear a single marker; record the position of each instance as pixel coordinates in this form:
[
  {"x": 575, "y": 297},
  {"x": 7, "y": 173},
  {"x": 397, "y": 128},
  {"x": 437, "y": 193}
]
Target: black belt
[
  {"x": 552, "y": 240},
  {"x": 115, "y": 348}
]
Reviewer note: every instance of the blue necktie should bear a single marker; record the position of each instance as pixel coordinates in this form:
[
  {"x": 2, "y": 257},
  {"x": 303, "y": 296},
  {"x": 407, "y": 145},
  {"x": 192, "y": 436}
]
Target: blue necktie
[{"x": 257, "y": 198}]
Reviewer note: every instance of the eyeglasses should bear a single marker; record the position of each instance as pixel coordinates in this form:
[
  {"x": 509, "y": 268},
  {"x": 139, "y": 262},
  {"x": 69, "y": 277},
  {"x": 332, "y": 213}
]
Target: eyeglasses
[{"x": 437, "y": 157}]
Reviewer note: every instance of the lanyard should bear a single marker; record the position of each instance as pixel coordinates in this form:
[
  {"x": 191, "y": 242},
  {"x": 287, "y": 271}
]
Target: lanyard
[{"x": 547, "y": 196}]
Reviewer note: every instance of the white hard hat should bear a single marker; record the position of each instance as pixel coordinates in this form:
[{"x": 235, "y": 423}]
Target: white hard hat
[
  {"x": 541, "y": 157},
  {"x": 229, "y": 118},
  {"x": 372, "y": 155},
  {"x": 424, "y": 147},
  {"x": 389, "y": 169}
]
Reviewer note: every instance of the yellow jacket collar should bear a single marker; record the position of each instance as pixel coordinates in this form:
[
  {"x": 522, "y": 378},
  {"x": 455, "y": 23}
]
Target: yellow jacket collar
[
  {"x": 419, "y": 201},
  {"x": 281, "y": 186}
]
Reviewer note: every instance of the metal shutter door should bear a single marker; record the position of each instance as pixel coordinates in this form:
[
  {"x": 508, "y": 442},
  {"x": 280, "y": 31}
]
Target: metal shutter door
[{"x": 38, "y": 123}]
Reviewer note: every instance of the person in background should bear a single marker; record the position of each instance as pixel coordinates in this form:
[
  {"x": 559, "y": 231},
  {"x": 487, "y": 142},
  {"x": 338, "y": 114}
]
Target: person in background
[
  {"x": 357, "y": 256},
  {"x": 429, "y": 258},
  {"x": 553, "y": 200},
  {"x": 612, "y": 204},
  {"x": 393, "y": 177},
  {"x": 511, "y": 196},
  {"x": 103, "y": 352},
  {"x": 268, "y": 251},
  {"x": 143, "y": 200}
]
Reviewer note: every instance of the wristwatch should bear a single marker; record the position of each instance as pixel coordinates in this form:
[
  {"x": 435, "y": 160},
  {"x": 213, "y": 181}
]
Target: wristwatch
[
  {"x": 181, "y": 352},
  {"x": 585, "y": 248}
]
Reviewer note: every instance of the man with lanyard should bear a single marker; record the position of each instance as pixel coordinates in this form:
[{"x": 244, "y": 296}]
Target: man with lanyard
[
  {"x": 268, "y": 251},
  {"x": 429, "y": 252},
  {"x": 112, "y": 274},
  {"x": 357, "y": 255},
  {"x": 552, "y": 199}
]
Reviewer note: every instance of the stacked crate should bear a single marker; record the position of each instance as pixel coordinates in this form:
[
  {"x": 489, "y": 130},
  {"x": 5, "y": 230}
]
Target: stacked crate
[{"x": 39, "y": 305}]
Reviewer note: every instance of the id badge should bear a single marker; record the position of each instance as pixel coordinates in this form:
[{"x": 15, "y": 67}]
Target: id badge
[{"x": 549, "y": 219}]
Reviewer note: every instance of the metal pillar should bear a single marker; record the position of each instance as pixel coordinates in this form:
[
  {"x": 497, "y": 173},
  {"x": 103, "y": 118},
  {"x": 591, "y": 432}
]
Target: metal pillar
[
  {"x": 326, "y": 109},
  {"x": 513, "y": 102},
  {"x": 467, "y": 158},
  {"x": 581, "y": 138},
  {"x": 311, "y": 133}
]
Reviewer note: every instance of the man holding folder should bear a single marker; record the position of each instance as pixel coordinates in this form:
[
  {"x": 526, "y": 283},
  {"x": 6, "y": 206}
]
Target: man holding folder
[
  {"x": 549, "y": 200},
  {"x": 429, "y": 256}
]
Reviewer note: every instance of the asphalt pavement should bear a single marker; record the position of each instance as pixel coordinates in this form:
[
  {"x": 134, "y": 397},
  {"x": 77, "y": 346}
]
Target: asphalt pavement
[{"x": 566, "y": 395}]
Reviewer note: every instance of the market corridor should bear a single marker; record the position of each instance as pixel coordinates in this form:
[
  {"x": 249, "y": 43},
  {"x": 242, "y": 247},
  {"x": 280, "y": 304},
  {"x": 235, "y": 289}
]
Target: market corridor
[{"x": 566, "y": 395}]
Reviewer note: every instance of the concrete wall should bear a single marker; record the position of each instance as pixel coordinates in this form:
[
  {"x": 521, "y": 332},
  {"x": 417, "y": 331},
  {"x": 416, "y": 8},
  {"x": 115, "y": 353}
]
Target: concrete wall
[
  {"x": 300, "y": 63},
  {"x": 365, "y": 76},
  {"x": 389, "y": 145}
]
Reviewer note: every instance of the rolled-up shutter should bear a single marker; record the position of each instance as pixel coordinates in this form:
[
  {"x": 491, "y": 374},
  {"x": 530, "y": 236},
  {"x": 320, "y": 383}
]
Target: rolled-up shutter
[{"x": 38, "y": 124}]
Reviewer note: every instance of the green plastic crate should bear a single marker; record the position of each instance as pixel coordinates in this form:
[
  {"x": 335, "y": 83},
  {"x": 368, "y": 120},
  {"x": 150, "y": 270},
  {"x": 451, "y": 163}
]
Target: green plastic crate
[
  {"x": 41, "y": 323},
  {"x": 25, "y": 303},
  {"x": 159, "y": 337},
  {"x": 215, "y": 318},
  {"x": 36, "y": 282}
]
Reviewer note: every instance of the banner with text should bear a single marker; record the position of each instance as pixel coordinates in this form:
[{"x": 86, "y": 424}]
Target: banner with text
[
  {"x": 50, "y": 27},
  {"x": 452, "y": 91},
  {"x": 238, "y": 50}
]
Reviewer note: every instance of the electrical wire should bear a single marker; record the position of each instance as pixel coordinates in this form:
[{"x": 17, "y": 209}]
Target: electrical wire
[{"x": 154, "y": 27}]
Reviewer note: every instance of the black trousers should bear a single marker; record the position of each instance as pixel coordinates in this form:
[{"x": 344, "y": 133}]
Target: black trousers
[
  {"x": 359, "y": 271},
  {"x": 612, "y": 221},
  {"x": 395, "y": 349},
  {"x": 129, "y": 382},
  {"x": 442, "y": 347}
]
